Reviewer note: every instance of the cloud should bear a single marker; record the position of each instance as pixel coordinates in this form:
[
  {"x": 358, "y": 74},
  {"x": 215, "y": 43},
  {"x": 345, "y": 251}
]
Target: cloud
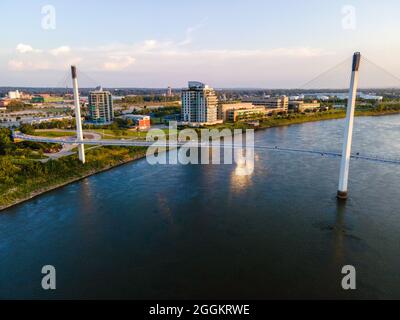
[
  {"x": 152, "y": 54},
  {"x": 189, "y": 33},
  {"x": 118, "y": 63},
  {"x": 164, "y": 61},
  {"x": 149, "y": 45},
  {"x": 15, "y": 64},
  {"x": 26, "y": 58},
  {"x": 60, "y": 50},
  {"x": 293, "y": 52},
  {"x": 26, "y": 48},
  {"x": 20, "y": 65},
  {"x": 148, "y": 54}
]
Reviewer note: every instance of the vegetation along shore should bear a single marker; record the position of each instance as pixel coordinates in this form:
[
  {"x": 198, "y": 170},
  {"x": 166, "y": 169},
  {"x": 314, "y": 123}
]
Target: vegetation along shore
[{"x": 23, "y": 175}]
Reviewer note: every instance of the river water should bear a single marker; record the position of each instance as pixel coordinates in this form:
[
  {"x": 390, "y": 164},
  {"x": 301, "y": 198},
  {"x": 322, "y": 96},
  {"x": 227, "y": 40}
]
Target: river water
[{"x": 190, "y": 231}]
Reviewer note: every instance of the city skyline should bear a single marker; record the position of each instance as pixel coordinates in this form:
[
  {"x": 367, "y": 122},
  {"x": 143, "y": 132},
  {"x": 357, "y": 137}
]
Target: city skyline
[{"x": 227, "y": 44}]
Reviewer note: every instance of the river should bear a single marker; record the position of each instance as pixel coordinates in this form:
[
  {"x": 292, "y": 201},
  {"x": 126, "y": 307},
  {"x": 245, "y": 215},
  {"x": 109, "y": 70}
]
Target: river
[{"x": 190, "y": 231}]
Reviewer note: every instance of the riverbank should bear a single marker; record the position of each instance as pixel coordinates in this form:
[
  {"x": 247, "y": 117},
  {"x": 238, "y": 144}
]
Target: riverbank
[
  {"x": 31, "y": 179},
  {"x": 286, "y": 120},
  {"x": 324, "y": 116},
  {"x": 27, "y": 180}
]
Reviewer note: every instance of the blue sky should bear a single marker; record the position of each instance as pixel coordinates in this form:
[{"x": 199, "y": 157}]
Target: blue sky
[{"x": 158, "y": 43}]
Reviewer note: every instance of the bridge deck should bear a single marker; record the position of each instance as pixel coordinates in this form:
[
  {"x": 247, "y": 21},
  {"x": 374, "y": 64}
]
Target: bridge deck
[{"x": 143, "y": 143}]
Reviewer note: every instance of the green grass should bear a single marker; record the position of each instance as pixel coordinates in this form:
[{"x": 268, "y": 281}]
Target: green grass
[
  {"x": 54, "y": 134},
  {"x": 22, "y": 178},
  {"x": 119, "y": 134},
  {"x": 158, "y": 120},
  {"x": 124, "y": 134},
  {"x": 86, "y": 146}
]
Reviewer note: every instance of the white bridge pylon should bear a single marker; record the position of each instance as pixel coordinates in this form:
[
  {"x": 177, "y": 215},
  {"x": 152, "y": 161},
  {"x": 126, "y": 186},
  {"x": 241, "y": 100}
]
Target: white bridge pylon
[
  {"x": 348, "y": 130},
  {"x": 79, "y": 132}
]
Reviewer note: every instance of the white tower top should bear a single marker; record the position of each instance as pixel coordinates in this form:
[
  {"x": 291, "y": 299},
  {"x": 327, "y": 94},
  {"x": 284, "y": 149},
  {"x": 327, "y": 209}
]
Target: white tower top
[{"x": 197, "y": 85}]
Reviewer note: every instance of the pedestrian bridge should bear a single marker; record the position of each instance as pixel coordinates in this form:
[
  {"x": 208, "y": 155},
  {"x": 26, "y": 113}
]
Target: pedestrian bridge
[{"x": 143, "y": 143}]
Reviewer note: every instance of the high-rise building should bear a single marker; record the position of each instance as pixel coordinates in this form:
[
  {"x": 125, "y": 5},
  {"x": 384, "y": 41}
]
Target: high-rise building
[
  {"x": 100, "y": 106},
  {"x": 14, "y": 94},
  {"x": 169, "y": 92},
  {"x": 199, "y": 104}
]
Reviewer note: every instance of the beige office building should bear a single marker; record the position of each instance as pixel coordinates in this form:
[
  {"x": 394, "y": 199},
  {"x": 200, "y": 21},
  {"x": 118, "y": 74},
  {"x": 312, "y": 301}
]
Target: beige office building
[
  {"x": 243, "y": 114},
  {"x": 280, "y": 103},
  {"x": 224, "y": 107},
  {"x": 301, "y": 106},
  {"x": 277, "y": 103}
]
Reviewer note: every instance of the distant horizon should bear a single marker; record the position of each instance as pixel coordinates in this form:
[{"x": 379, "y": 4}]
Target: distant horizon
[{"x": 215, "y": 88}]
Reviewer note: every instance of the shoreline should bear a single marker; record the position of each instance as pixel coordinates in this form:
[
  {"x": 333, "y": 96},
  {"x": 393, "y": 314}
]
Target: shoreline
[
  {"x": 69, "y": 181},
  {"x": 141, "y": 156},
  {"x": 336, "y": 117}
]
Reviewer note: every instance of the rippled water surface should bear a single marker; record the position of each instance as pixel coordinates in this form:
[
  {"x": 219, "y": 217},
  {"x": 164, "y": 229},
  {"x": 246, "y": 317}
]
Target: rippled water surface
[{"x": 174, "y": 231}]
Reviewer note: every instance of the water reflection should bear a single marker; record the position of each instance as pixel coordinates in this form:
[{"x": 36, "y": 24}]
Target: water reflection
[
  {"x": 164, "y": 208},
  {"x": 86, "y": 194},
  {"x": 339, "y": 232},
  {"x": 242, "y": 175}
]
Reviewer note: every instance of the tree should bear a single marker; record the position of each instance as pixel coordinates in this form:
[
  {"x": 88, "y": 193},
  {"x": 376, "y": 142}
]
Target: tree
[
  {"x": 27, "y": 129},
  {"x": 7, "y": 171},
  {"x": 5, "y": 141},
  {"x": 16, "y": 105}
]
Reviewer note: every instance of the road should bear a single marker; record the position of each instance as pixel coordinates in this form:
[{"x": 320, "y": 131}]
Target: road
[{"x": 66, "y": 147}]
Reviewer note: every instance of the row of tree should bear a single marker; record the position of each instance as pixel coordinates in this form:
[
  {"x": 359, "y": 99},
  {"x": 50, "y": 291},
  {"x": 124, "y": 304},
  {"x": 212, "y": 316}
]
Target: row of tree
[{"x": 147, "y": 99}]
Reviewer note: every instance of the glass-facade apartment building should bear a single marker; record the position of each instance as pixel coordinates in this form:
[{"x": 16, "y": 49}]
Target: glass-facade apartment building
[
  {"x": 199, "y": 103},
  {"x": 100, "y": 107}
]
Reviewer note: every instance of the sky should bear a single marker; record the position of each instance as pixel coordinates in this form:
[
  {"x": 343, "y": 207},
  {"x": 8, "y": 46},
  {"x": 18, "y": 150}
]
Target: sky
[{"x": 159, "y": 43}]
